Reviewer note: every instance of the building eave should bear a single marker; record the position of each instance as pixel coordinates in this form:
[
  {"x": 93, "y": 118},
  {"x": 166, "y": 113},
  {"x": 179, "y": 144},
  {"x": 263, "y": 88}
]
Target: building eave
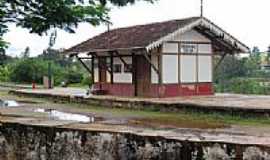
[{"x": 203, "y": 22}]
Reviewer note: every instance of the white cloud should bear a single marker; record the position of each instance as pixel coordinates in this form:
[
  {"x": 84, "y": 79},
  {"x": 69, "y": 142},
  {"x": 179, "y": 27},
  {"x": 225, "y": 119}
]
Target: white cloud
[{"x": 246, "y": 20}]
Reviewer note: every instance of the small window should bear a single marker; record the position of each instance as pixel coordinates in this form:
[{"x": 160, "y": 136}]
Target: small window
[
  {"x": 188, "y": 48},
  {"x": 117, "y": 68},
  {"x": 128, "y": 68}
]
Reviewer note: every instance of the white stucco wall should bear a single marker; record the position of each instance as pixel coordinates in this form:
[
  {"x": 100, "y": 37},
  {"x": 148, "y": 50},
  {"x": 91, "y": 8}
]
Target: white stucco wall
[
  {"x": 188, "y": 68},
  {"x": 154, "y": 75},
  {"x": 191, "y": 35},
  {"x": 96, "y": 73},
  {"x": 205, "y": 69},
  {"x": 122, "y": 77},
  {"x": 170, "y": 69},
  {"x": 170, "y": 48},
  {"x": 205, "y": 48}
]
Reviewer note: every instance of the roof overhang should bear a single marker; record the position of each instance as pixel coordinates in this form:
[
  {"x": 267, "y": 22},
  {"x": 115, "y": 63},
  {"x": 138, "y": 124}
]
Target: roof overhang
[
  {"x": 105, "y": 52},
  {"x": 211, "y": 27}
]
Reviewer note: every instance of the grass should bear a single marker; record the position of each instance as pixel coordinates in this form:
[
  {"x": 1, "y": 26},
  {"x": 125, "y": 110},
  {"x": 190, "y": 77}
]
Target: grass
[
  {"x": 78, "y": 85},
  {"x": 185, "y": 119}
]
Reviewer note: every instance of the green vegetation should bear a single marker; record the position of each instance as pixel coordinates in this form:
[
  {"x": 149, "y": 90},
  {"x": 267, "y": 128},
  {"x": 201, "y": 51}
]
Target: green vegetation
[
  {"x": 180, "y": 119},
  {"x": 32, "y": 69},
  {"x": 242, "y": 75},
  {"x": 41, "y": 17}
]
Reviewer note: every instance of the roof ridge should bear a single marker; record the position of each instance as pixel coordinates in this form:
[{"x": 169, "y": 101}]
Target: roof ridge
[{"x": 154, "y": 23}]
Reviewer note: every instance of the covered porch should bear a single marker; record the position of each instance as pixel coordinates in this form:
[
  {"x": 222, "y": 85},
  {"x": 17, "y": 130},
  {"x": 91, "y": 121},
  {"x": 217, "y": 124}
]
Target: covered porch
[{"x": 121, "y": 72}]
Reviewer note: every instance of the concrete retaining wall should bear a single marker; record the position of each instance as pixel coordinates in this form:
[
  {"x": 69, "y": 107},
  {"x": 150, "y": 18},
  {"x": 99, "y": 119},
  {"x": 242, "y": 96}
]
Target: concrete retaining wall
[{"x": 24, "y": 142}]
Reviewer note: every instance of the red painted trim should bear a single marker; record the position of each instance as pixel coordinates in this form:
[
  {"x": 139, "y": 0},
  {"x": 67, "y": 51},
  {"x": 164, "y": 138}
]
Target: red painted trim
[
  {"x": 158, "y": 91},
  {"x": 116, "y": 89}
]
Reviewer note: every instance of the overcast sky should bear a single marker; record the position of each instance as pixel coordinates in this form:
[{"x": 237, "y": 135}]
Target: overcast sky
[{"x": 247, "y": 20}]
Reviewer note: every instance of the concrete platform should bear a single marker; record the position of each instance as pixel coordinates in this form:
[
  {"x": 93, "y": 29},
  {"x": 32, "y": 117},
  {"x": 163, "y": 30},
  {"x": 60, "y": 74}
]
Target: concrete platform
[
  {"x": 26, "y": 116},
  {"x": 229, "y": 103}
]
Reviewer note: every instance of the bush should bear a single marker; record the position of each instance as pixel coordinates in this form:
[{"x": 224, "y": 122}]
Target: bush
[
  {"x": 243, "y": 86},
  {"x": 87, "y": 80},
  {"x": 72, "y": 76},
  {"x": 28, "y": 70},
  {"x": 4, "y": 73}
]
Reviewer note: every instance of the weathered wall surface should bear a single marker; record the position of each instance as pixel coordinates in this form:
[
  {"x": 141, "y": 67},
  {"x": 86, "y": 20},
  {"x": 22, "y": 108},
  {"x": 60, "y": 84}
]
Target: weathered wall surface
[{"x": 20, "y": 142}]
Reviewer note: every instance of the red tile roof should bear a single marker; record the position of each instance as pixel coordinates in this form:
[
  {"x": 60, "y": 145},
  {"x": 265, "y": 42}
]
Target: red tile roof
[{"x": 131, "y": 37}]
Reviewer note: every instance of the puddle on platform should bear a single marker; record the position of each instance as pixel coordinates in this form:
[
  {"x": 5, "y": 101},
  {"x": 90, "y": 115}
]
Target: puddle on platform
[
  {"x": 8, "y": 103},
  {"x": 58, "y": 115}
]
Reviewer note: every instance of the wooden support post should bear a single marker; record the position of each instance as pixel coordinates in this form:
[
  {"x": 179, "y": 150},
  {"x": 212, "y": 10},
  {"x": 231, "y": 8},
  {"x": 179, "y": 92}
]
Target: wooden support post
[
  {"x": 219, "y": 62},
  {"x": 133, "y": 68},
  {"x": 102, "y": 66},
  {"x": 152, "y": 65},
  {"x": 159, "y": 59},
  {"x": 134, "y": 73},
  {"x": 111, "y": 66},
  {"x": 93, "y": 69}
]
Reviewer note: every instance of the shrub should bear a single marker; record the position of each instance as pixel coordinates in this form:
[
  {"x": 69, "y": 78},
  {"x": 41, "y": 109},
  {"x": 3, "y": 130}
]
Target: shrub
[
  {"x": 4, "y": 73},
  {"x": 243, "y": 86},
  {"x": 28, "y": 70},
  {"x": 73, "y": 76},
  {"x": 87, "y": 80}
]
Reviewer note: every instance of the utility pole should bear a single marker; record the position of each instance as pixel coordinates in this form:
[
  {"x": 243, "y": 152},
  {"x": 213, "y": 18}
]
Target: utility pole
[{"x": 201, "y": 8}]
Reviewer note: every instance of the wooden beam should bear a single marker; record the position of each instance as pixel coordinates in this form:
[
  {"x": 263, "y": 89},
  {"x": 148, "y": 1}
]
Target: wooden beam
[
  {"x": 86, "y": 58},
  {"x": 219, "y": 62},
  {"x": 160, "y": 78},
  {"x": 121, "y": 58},
  {"x": 85, "y": 66},
  {"x": 102, "y": 66},
  {"x": 93, "y": 70},
  {"x": 152, "y": 65},
  {"x": 111, "y": 64},
  {"x": 216, "y": 40},
  {"x": 134, "y": 73}
]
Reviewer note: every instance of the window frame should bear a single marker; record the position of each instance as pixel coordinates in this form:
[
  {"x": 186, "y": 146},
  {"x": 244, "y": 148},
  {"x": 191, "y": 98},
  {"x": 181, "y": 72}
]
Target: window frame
[{"x": 117, "y": 70}]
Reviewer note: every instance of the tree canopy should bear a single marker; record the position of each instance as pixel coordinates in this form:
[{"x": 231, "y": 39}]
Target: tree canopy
[{"x": 39, "y": 16}]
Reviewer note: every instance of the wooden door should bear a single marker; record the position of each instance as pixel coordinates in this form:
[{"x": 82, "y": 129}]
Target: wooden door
[
  {"x": 143, "y": 80},
  {"x": 102, "y": 70}
]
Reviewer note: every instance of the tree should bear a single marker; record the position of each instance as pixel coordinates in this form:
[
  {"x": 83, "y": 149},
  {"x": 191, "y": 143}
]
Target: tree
[
  {"x": 267, "y": 58},
  {"x": 39, "y": 16},
  {"x": 268, "y": 49},
  {"x": 3, "y": 58},
  {"x": 230, "y": 67},
  {"x": 26, "y": 53},
  {"x": 255, "y": 50}
]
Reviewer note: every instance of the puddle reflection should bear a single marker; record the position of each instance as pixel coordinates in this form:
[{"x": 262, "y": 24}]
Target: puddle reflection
[
  {"x": 58, "y": 115},
  {"x": 8, "y": 103}
]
